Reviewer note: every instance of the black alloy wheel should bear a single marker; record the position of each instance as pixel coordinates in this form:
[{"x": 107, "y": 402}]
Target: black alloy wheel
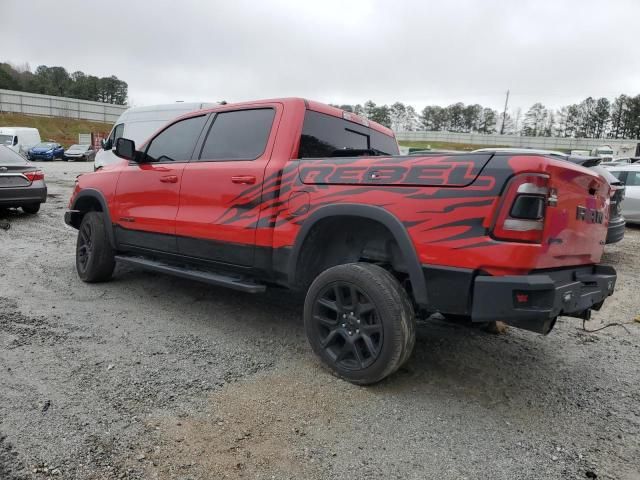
[
  {"x": 85, "y": 245},
  {"x": 348, "y": 326}
]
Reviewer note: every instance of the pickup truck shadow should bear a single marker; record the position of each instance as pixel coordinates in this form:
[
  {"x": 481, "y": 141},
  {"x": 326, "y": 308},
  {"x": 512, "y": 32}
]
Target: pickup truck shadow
[{"x": 457, "y": 361}]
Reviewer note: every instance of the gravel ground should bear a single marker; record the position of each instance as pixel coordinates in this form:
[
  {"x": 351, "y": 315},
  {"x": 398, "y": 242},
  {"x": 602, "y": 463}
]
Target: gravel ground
[{"x": 156, "y": 377}]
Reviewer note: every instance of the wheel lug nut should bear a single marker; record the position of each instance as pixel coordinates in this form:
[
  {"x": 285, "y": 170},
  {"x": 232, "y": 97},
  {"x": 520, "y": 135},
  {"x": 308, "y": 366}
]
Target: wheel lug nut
[
  {"x": 357, "y": 330},
  {"x": 344, "y": 325},
  {"x": 358, "y": 320},
  {"x": 344, "y": 315}
]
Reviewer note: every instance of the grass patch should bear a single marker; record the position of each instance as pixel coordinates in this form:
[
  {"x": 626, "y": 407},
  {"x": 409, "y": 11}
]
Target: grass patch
[
  {"x": 445, "y": 145},
  {"x": 62, "y": 130}
]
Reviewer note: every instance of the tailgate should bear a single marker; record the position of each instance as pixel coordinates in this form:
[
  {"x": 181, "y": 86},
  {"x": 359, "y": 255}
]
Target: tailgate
[
  {"x": 576, "y": 226},
  {"x": 436, "y": 170}
]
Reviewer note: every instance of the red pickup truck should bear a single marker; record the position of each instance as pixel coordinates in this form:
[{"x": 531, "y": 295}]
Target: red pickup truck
[{"x": 297, "y": 194}]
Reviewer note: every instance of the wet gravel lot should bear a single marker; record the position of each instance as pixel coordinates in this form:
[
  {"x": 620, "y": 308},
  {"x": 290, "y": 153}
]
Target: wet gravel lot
[{"x": 162, "y": 378}]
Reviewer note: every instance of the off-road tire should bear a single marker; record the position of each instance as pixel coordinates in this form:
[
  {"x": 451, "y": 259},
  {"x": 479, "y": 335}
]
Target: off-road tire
[
  {"x": 94, "y": 255},
  {"x": 392, "y": 315}
]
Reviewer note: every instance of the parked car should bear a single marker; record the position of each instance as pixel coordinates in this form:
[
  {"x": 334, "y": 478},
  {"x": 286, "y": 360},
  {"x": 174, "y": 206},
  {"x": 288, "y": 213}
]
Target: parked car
[
  {"x": 305, "y": 196},
  {"x": 630, "y": 176},
  {"x": 620, "y": 161},
  {"x": 616, "y": 228},
  {"x": 580, "y": 153},
  {"x": 605, "y": 152},
  {"x": 139, "y": 123},
  {"x": 19, "y": 139},
  {"x": 21, "y": 183},
  {"x": 80, "y": 153},
  {"x": 46, "y": 151}
]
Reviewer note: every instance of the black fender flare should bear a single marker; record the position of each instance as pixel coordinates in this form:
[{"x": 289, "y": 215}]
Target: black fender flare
[
  {"x": 386, "y": 218},
  {"x": 99, "y": 197}
]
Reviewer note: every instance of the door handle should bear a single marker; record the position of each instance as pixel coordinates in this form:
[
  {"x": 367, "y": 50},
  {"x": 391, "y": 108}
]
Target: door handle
[
  {"x": 169, "y": 179},
  {"x": 244, "y": 179}
]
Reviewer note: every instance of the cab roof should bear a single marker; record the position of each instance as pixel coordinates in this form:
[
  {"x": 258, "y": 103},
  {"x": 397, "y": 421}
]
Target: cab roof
[{"x": 293, "y": 102}]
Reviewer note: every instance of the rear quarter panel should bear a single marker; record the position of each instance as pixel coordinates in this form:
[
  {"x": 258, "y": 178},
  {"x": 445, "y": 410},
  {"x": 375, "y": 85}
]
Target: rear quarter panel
[{"x": 449, "y": 225}]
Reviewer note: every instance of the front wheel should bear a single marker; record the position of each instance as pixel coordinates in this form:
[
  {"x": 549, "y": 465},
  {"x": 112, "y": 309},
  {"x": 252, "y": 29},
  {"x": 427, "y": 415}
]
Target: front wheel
[
  {"x": 360, "y": 322},
  {"x": 94, "y": 255}
]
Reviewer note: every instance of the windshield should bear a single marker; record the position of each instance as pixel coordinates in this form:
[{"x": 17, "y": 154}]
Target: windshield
[
  {"x": 605, "y": 152},
  {"x": 79, "y": 147},
  {"x": 45, "y": 145},
  {"x": 6, "y": 140}
]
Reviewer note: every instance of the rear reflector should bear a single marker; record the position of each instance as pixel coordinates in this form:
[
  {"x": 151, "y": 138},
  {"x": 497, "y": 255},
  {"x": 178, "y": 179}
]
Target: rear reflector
[{"x": 35, "y": 175}]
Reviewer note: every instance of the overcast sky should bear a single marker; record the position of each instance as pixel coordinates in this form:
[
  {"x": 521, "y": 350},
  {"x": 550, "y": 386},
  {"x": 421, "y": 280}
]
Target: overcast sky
[{"x": 338, "y": 51}]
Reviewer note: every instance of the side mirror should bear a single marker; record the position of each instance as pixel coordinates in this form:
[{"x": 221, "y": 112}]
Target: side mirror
[
  {"x": 15, "y": 141},
  {"x": 126, "y": 149},
  {"x": 103, "y": 143}
]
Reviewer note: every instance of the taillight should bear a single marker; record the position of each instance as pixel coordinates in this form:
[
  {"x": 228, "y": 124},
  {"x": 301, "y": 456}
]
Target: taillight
[
  {"x": 522, "y": 210},
  {"x": 34, "y": 175}
]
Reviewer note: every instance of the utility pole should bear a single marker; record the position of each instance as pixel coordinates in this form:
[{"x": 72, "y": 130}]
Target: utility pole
[{"x": 504, "y": 114}]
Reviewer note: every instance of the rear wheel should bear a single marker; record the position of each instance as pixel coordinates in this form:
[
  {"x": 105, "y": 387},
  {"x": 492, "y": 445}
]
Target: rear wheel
[
  {"x": 360, "y": 322},
  {"x": 94, "y": 256},
  {"x": 31, "y": 209}
]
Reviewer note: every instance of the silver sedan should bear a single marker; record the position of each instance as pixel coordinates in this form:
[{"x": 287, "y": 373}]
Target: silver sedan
[
  {"x": 80, "y": 153},
  {"x": 629, "y": 174}
]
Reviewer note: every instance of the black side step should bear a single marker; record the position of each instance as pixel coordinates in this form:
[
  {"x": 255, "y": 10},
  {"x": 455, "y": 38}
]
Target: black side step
[{"x": 221, "y": 280}]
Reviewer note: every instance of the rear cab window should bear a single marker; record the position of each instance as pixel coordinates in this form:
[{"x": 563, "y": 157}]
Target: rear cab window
[{"x": 324, "y": 135}]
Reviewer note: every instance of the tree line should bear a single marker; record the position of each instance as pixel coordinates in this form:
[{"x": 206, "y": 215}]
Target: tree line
[
  {"x": 591, "y": 118},
  {"x": 57, "y": 81}
]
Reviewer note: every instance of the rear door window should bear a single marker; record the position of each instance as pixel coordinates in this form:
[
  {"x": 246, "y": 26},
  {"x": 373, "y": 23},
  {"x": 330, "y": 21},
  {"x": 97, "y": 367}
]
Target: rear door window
[
  {"x": 238, "y": 135},
  {"x": 328, "y": 136},
  {"x": 177, "y": 142}
]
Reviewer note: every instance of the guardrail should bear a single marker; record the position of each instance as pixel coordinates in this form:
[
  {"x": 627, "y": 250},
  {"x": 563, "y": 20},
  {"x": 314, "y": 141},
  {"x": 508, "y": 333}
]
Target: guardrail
[
  {"x": 620, "y": 146},
  {"x": 12, "y": 101}
]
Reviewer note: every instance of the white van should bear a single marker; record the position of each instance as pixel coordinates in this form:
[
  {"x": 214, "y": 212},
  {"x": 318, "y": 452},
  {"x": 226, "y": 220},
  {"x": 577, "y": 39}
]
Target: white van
[
  {"x": 605, "y": 152},
  {"x": 19, "y": 139},
  {"x": 139, "y": 123}
]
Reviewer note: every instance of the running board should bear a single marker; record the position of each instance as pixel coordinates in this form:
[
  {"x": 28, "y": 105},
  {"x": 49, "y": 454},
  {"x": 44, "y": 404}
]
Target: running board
[{"x": 220, "y": 280}]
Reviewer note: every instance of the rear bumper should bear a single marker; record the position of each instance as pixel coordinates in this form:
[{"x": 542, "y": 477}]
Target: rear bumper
[
  {"x": 16, "y": 197},
  {"x": 615, "y": 233},
  {"x": 40, "y": 156},
  {"x": 533, "y": 302}
]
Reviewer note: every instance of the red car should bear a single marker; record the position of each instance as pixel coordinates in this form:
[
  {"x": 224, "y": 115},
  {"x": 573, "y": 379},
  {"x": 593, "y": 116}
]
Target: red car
[{"x": 297, "y": 194}]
